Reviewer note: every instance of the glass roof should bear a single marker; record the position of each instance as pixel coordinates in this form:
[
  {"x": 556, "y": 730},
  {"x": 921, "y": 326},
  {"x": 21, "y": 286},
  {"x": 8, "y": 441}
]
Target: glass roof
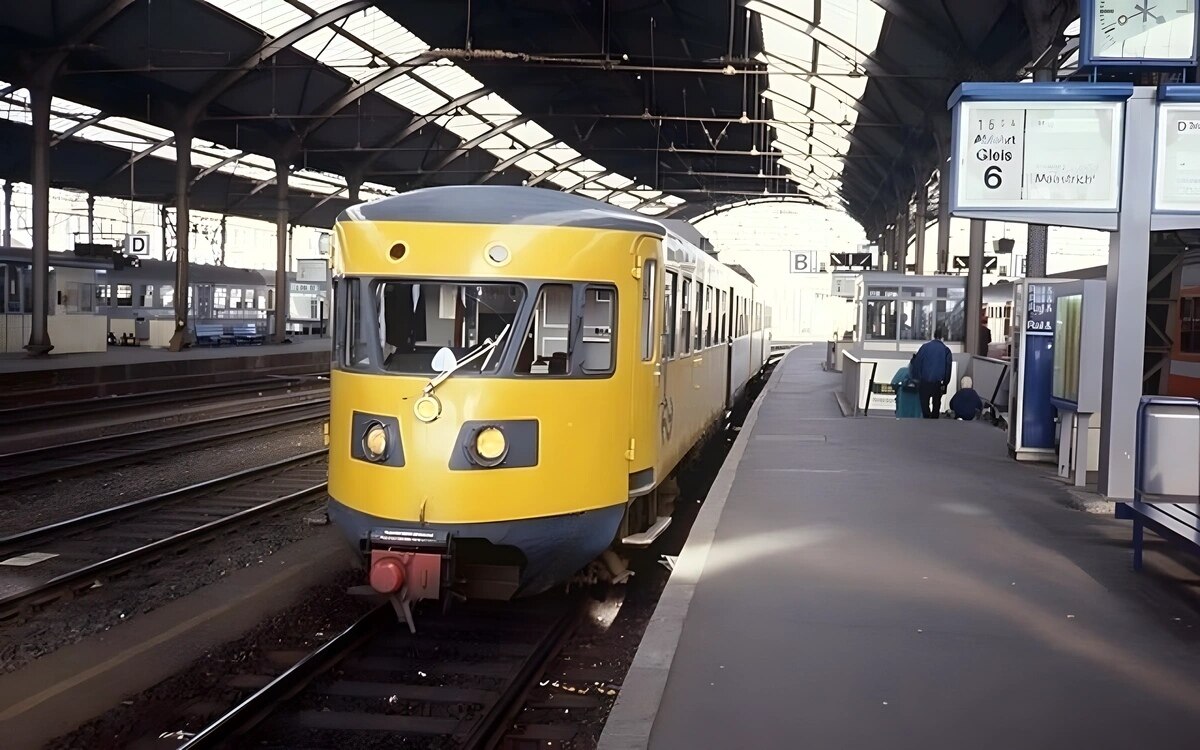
[
  {"x": 815, "y": 75},
  {"x": 370, "y": 43}
]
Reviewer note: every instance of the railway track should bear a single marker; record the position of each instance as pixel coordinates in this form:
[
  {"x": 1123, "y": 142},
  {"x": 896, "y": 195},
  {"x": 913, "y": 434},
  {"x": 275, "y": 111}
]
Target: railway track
[
  {"x": 24, "y": 467},
  {"x": 193, "y": 395},
  {"x": 457, "y": 683},
  {"x": 74, "y": 555}
]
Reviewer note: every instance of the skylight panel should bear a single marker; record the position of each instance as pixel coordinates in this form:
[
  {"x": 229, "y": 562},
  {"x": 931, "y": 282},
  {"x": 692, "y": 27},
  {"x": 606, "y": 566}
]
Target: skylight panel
[
  {"x": 615, "y": 181},
  {"x": 559, "y": 153},
  {"x": 536, "y": 164},
  {"x": 466, "y": 127},
  {"x": 587, "y": 168},
  {"x": 380, "y": 31},
  {"x": 624, "y": 200},
  {"x": 448, "y": 78},
  {"x": 495, "y": 109},
  {"x": 565, "y": 180},
  {"x": 672, "y": 200},
  {"x": 530, "y": 133},
  {"x": 152, "y": 133},
  {"x": 412, "y": 94},
  {"x": 274, "y": 17},
  {"x": 502, "y": 146}
]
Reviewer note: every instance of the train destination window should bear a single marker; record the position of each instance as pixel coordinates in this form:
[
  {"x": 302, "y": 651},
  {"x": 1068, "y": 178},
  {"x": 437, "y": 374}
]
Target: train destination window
[
  {"x": 669, "y": 314},
  {"x": 649, "y": 329}
]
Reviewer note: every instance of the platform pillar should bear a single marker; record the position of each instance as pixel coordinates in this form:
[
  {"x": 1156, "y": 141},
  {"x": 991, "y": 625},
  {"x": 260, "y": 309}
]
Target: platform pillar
[
  {"x": 183, "y": 178},
  {"x": 8, "y": 191},
  {"x": 39, "y": 334},
  {"x": 281, "y": 250},
  {"x": 1038, "y": 236},
  {"x": 353, "y": 185},
  {"x": 1125, "y": 305},
  {"x": 922, "y": 207},
  {"x": 91, "y": 218},
  {"x": 902, "y": 240},
  {"x": 943, "y": 242},
  {"x": 974, "y": 297}
]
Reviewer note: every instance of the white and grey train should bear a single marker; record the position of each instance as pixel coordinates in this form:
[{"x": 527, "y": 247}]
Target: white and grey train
[{"x": 131, "y": 295}]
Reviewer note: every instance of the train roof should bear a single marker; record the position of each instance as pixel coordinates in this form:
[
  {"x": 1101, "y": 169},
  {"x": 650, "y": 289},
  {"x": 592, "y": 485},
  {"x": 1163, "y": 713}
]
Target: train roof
[
  {"x": 502, "y": 204},
  {"x": 157, "y": 270}
]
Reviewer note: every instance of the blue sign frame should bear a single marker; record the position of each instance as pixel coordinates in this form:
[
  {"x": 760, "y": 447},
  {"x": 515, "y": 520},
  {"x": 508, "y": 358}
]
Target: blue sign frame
[{"x": 1087, "y": 47}]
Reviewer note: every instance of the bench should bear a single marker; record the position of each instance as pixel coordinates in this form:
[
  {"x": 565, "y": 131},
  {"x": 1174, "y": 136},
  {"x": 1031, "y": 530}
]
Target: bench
[
  {"x": 248, "y": 333},
  {"x": 1176, "y": 522},
  {"x": 210, "y": 333}
]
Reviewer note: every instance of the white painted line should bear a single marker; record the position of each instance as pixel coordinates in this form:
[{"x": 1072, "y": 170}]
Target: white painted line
[{"x": 29, "y": 558}]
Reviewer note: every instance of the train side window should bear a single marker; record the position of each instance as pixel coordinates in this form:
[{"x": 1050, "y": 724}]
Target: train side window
[
  {"x": 147, "y": 296},
  {"x": 357, "y": 353},
  {"x": 649, "y": 329},
  {"x": 249, "y": 300},
  {"x": 270, "y": 300},
  {"x": 722, "y": 330},
  {"x": 544, "y": 349},
  {"x": 708, "y": 316},
  {"x": 685, "y": 317},
  {"x": 235, "y": 299},
  {"x": 102, "y": 295},
  {"x": 167, "y": 295},
  {"x": 669, "y": 313},
  {"x": 124, "y": 295},
  {"x": 699, "y": 316},
  {"x": 220, "y": 298},
  {"x": 599, "y": 329}
]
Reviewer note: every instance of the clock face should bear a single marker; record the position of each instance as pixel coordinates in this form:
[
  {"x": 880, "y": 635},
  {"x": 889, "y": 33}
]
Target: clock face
[{"x": 1144, "y": 29}]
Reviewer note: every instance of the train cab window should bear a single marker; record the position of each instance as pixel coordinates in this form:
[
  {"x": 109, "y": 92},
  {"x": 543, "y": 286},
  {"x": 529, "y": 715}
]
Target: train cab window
[
  {"x": 599, "y": 324},
  {"x": 670, "y": 281},
  {"x": 649, "y": 328},
  {"x": 544, "y": 347},
  {"x": 124, "y": 295},
  {"x": 684, "y": 327}
]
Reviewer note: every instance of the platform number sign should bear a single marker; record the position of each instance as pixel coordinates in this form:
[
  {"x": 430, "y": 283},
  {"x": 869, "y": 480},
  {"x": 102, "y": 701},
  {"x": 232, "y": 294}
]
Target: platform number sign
[
  {"x": 1041, "y": 155},
  {"x": 137, "y": 244},
  {"x": 804, "y": 261}
]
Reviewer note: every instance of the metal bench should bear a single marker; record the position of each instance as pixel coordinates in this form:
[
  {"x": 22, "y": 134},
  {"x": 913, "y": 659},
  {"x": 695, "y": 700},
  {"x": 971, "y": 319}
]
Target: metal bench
[
  {"x": 210, "y": 333},
  {"x": 1176, "y": 522},
  {"x": 1167, "y": 474},
  {"x": 247, "y": 333}
]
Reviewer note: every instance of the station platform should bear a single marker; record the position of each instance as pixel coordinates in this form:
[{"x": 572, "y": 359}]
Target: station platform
[
  {"x": 124, "y": 370},
  {"x": 884, "y": 583}
]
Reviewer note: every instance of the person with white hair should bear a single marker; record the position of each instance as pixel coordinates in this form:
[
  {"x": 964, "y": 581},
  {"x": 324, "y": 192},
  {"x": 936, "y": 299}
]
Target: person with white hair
[{"x": 966, "y": 404}]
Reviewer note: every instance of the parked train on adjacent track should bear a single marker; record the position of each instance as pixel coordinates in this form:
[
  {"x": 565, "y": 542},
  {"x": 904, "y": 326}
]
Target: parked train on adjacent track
[{"x": 517, "y": 375}]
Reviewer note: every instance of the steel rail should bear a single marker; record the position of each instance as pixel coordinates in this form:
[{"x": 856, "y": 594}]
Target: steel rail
[{"x": 87, "y": 575}]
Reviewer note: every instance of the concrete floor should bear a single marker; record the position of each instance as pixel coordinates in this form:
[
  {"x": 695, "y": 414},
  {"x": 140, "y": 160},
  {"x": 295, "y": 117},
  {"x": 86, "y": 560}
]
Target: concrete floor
[{"x": 878, "y": 583}]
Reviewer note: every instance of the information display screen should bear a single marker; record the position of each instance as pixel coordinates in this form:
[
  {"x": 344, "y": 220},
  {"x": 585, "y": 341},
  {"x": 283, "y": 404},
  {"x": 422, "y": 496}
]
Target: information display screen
[
  {"x": 1177, "y": 168},
  {"x": 1039, "y": 155},
  {"x": 1068, "y": 323}
]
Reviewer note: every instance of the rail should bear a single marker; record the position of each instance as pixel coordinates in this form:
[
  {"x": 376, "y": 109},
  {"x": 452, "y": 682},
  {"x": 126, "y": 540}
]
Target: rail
[
  {"x": 853, "y": 369},
  {"x": 990, "y": 377}
]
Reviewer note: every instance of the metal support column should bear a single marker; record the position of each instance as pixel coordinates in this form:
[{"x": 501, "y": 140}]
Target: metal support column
[
  {"x": 922, "y": 207},
  {"x": 281, "y": 250},
  {"x": 39, "y": 334},
  {"x": 353, "y": 185},
  {"x": 974, "y": 301},
  {"x": 91, "y": 218},
  {"x": 1125, "y": 306},
  {"x": 1038, "y": 237},
  {"x": 183, "y": 177},
  {"x": 943, "y": 243},
  {"x": 8, "y": 191},
  {"x": 224, "y": 236},
  {"x": 885, "y": 249},
  {"x": 902, "y": 240}
]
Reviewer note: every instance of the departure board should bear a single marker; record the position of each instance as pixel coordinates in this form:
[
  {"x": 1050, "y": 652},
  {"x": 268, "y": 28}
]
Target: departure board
[
  {"x": 1177, "y": 168},
  {"x": 1062, "y": 156}
]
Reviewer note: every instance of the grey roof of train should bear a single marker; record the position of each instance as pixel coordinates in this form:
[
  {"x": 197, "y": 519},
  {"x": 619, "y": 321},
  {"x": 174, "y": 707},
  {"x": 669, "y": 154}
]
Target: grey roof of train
[{"x": 494, "y": 204}]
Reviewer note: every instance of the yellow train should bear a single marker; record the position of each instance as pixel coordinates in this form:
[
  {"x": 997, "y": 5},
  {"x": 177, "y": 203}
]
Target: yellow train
[{"x": 517, "y": 374}]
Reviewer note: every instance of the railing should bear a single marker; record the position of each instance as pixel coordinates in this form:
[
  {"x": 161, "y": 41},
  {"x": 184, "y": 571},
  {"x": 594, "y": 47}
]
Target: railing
[
  {"x": 1168, "y": 448},
  {"x": 853, "y": 370},
  {"x": 990, "y": 378}
]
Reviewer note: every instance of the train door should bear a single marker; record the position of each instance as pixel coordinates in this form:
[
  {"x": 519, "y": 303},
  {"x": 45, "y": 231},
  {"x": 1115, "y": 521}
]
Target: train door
[
  {"x": 646, "y": 423},
  {"x": 204, "y": 302}
]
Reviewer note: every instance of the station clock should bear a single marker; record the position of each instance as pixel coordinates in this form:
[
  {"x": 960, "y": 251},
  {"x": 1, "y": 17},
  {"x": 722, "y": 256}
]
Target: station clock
[{"x": 1133, "y": 33}]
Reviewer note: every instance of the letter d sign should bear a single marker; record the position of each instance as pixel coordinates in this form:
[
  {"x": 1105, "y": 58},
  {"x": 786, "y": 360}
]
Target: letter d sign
[{"x": 137, "y": 244}]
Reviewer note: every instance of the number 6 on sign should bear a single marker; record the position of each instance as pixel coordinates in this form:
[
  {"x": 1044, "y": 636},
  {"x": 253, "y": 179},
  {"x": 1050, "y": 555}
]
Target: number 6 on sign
[{"x": 993, "y": 177}]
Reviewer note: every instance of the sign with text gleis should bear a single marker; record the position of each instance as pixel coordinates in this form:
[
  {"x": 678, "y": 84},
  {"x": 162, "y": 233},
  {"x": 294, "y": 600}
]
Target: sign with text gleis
[
  {"x": 1177, "y": 171},
  {"x": 1039, "y": 155}
]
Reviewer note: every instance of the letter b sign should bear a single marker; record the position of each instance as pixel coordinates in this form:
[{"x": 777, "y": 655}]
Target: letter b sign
[{"x": 804, "y": 261}]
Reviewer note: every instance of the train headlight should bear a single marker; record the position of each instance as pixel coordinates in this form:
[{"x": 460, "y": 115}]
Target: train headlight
[
  {"x": 489, "y": 447},
  {"x": 427, "y": 408},
  {"x": 375, "y": 442}
]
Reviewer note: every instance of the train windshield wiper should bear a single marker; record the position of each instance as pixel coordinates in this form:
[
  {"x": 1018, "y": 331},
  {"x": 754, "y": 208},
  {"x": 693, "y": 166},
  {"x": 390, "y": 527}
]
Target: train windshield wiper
[{"x": 487, "y": 347}]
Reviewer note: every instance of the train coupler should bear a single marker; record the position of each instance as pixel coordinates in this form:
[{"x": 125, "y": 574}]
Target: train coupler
[{"x": 408, "y": 565}]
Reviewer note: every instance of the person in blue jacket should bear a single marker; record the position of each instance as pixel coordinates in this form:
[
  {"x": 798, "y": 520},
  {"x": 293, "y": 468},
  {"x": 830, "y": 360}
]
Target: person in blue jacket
[
  {"x": 931, "y": 368},
  {"x": 966, "y": 404}
]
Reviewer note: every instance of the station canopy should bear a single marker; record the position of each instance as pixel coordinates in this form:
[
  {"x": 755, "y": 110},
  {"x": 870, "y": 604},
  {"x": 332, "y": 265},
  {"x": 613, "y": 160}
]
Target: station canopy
[{"x": 669, "y": 108}]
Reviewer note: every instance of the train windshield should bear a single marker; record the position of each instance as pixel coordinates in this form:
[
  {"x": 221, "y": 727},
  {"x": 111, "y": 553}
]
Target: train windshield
[{"x": 400, "y": 326}]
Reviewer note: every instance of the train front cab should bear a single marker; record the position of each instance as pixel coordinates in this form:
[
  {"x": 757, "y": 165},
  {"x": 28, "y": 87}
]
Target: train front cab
[{"x": 514, "y": 470}]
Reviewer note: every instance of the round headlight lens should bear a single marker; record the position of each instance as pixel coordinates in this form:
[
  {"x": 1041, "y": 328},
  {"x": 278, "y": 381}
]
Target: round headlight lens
[
  {"x": 490, "y": 446},
  {"x": 375, "y": 442},
  {"x": 427, "y": 408}
]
